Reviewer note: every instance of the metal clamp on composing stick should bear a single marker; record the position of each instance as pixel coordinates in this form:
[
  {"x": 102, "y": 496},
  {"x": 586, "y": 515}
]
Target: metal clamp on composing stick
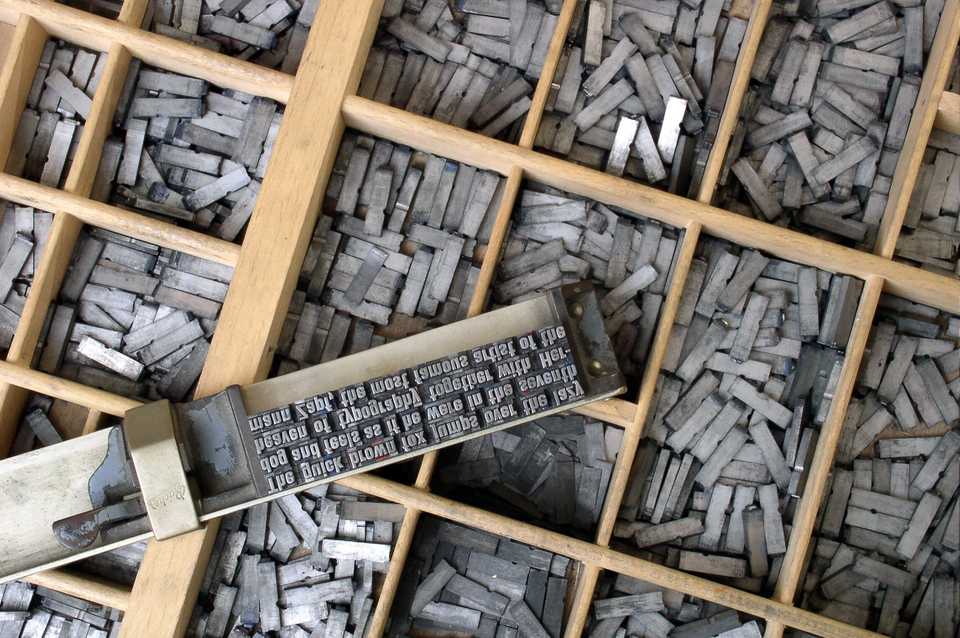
[{"x": 150, "y": 432}]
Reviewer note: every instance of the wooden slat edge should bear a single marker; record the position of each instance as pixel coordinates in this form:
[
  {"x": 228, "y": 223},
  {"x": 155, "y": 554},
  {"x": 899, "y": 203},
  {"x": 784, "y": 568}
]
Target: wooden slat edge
[
  {"x": 16, "y": 78},
  {"x": 100, "y": 33},
  {"x": 66, "y": 390},
  {"x": 925, "y": 111},
  {"x": 119, "y": 220},
  {"x": 428, "y": 463},
  {"x": 738, "y": 90},
  {"x": 276, "y": 240},
  {"x": 791, "y": 572},
  {"x": 632, "y": 437},
  {"x": 542, "y": 92},
  {"x": 96, "y": 590}
]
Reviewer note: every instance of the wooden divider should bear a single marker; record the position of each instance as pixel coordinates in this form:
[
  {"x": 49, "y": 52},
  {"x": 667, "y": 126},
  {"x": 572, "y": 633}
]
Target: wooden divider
[
  {"x": 620, "y": 476},
  {"x": 802, "y": 529},
  {"x": 320, "y": 102},
  {"x": 939, "y": 60},
  {"x": 276, "y": 240},
  {"x": 738, "y": 89}
]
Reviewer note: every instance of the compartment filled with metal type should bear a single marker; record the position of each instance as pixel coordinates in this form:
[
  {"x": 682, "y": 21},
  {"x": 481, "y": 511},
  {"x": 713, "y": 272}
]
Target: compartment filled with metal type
[
  {"x": 306, "y": 564},
  {"x": 825, "y": 117},
  {"x": 641, "y": 86},
  {"x": 474, "y": 63},
  {"x": 133, "y": 318},
  {"x": 395, "y": 252},
  {"x": 554, "y": 471},
  {"x": 755, "y": 357},
  {"x": 462, "y": 581},
  {"x": 628, "y": 606},
  {"x": 24, "y": 232},
  {"x": 188, "y": 152},
  {"x": 56, "y": 110},
  {"x": 557, "y": 237},
  {"x": 884, "y": 557},
  {"x": 930, "y": 237},
  {"x": 268, "y": 32},
  {"x": 30, "y": 610}
]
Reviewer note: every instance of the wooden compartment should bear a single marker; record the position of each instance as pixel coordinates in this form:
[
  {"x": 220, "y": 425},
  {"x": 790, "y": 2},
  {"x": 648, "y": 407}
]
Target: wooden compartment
[
  {"x": 808, "y": 179},
  {"x": 271, "y": 34},
  {"x": 320, "y": 102},
  {"x": 639, "y": 606},
  {"x": 889, "y": 517},
  {"x": 475, "y": 65},
  {"x": 25, "y": 234}
]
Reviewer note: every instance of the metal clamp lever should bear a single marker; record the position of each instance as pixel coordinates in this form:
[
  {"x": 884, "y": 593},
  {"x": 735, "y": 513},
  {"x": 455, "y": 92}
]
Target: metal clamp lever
[
  {"x": 152, "y": 442},
  {"x": 81, "y": 530}
]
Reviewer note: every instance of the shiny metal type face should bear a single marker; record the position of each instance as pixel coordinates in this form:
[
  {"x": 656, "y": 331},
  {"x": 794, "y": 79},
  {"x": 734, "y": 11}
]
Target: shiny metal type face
[{"x": 170, "y": 467}]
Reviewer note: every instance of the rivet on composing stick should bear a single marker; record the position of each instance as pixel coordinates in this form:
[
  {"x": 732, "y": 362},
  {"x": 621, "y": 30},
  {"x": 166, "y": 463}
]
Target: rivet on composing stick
[
  {"x": 596, "y": 368},
  {"x": 576, "y": 310}
]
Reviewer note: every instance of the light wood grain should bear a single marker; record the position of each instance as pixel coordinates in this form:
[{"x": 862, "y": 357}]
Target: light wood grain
[
  {"x": 801, "y": 533},
  {"x": 72, "y": 583},
  {"x": 428, "y": 463},
  {"x": 119, "y": 220},
  {"x": 542, "y": 91},
  {"x": 948, "y": 113},
  {"x": 42, "y": 383},
  {"x": 16, "y": 76},
  {"x": 99, "y": 33},
  {"x": 277, "y": 236},
  {"x": 165, "y": 591},
  {"x": 908, "y": 165},
  {"x": 613, "y": 411},
  {"x": 738, "y": 90}
]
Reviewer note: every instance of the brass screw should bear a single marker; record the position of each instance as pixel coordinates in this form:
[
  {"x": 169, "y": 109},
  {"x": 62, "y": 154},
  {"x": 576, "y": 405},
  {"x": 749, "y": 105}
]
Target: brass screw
[
  {"x": 576, "y": 310},
  {"x": 596, "y": 367}
]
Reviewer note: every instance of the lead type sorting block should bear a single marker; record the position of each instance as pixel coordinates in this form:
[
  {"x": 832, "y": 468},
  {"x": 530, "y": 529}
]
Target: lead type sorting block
[
  {"x": 133, "y": 318},
  {"x": 473, "y": 63},
  {"x": 24, "y": 233},
  {"x": 464, "y": 581},
  {"x": 750, "y": 373},
  {"x": 889, "y": 529},
  {"x": 187, "y": 152},
  {"x": 28, "y": 610},
  {"x": 58, "y": 104},
  {"x": 931, "y": 234},
  {"x": 306, "y": 564},
  {"x": 556, "y": 470},
  {"x": 272, "y": 33},
  {"x": 641, "y": 86},
  {"x": 826, "y": 116},
  {"x": 627, "y": 606},
  {"x": 394, "y": 253},
  {"x": 558, "y": 238}
]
